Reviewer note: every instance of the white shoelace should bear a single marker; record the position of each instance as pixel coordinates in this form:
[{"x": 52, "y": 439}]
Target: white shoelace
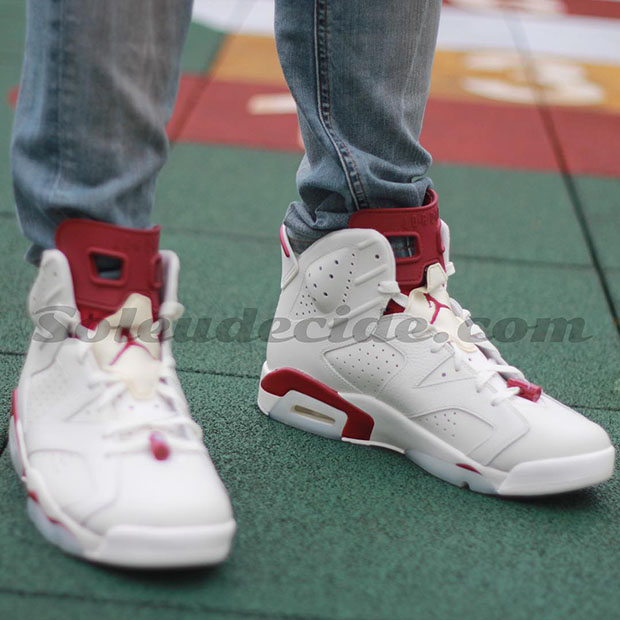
[
  {"x": 179, "y": 430},
  {"x": 495, "y": 364}
]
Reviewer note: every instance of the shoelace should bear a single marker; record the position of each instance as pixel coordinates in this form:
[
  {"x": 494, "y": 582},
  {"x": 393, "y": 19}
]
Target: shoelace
[
  {"x": 180, "y": 431},
  {"x": 495, "y": 364}
]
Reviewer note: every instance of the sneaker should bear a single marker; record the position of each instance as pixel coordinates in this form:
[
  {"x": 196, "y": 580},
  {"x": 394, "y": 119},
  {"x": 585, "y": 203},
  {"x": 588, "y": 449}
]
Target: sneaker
[
  {"x": 370, "y": 349},
  {"x": 115, "y": 468}
]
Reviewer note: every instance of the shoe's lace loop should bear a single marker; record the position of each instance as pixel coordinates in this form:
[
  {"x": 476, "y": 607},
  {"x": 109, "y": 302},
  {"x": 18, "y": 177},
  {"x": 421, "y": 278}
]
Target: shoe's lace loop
[
  {"x": 495, "y": 364},
  {"x": 391, "y": 290}
]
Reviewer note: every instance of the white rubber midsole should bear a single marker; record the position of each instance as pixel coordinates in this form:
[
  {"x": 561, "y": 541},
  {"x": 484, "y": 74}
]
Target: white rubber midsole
[
  {"x": 395, "y": 431},
  {"x": 124, "y": 545}
]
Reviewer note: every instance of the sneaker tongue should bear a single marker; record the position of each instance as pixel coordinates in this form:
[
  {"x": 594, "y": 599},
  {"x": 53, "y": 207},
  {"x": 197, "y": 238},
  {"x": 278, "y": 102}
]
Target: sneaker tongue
[
  {"x": 432, "y": 304},
  {"x": 88, "y": 245},
  {"x": 128, "y": 349}
]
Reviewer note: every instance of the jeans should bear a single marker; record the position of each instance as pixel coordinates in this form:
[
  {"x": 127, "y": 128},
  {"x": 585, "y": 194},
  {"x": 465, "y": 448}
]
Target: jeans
[{"x": 99, "y": 81}]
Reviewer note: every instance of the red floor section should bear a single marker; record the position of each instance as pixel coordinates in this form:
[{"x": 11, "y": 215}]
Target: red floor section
[
  {"x": 488, "y": 134},
  {"x": 591, "y": 8}
]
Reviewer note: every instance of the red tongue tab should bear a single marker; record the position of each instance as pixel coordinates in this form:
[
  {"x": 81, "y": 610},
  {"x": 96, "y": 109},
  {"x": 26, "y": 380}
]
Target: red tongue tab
[
  {"x": 421, "y": 223},
  {"x": 83, "y": 241}
]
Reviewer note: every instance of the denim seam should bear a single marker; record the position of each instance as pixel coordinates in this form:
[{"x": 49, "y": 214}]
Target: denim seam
[
  {"x": 349, "y": 167},
  {"x": 64, "y": 155}
]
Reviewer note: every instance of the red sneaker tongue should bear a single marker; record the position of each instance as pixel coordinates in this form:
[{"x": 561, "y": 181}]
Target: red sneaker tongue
[
  {"x": 82, "y": 241},
  {"x": 421, "y": 223}
]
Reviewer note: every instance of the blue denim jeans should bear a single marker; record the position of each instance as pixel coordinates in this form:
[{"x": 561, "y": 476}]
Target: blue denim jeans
[{"x": 99, "y": 81}]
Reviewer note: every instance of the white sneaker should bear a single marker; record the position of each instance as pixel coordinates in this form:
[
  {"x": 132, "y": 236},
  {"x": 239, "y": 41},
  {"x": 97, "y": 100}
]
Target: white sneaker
[
  {"x": 101, "y": 435},
  {"x": 423, "y": 381}
]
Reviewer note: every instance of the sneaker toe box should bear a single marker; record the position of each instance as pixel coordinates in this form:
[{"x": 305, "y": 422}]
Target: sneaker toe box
[
  {"x": 554, "y": 431},
  {"x": 182, "y": 491}
]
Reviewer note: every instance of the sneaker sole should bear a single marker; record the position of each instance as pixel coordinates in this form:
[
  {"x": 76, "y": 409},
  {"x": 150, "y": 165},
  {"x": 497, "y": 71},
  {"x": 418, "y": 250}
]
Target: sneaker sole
[
  {"x": 301, "y": 401},
  {"x": 128, "y": 546}
]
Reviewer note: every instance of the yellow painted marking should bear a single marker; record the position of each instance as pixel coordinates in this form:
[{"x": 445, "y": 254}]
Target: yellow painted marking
[
  {"x": 250, "y": 59},
  {"x": 486, "y": 75}
]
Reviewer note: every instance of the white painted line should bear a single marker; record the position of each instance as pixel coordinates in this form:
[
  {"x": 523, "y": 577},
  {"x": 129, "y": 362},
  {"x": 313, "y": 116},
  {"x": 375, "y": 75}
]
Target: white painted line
[{"x": 589, "y": 39}]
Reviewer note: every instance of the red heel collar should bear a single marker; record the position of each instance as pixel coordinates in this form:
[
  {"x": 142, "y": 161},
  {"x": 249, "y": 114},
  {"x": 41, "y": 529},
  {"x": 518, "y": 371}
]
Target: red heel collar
[{"x": 81, "y": 241}]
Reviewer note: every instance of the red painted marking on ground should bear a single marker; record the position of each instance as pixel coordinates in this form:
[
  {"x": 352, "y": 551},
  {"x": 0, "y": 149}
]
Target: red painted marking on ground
[
  {"x": 590, "y": 140},
  {"x": 189, "y": 91},
  {"x": 221, "y": 116},
  {"x": 588, "y": 8},
  {"x": 487, "y": 134},
  {"x": 459, "y": 132},
  {"x": 593, "y": 8}
]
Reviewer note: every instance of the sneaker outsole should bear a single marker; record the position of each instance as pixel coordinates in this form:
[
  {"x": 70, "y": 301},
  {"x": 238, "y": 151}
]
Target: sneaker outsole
[{"x": 391, "y": 430}]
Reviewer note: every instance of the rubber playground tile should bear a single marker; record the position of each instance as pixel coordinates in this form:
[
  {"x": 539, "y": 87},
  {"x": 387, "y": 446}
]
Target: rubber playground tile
[
  {"x": 599, "y": 198},
  {"x": 10, "y": 367},
  {"x": 612, "y": 274},
  {"x": 492, "y": 213},
  {"x": 7, "y": 202},
  {"x": 588, "y": 140},
  {"x": 328, "y": 529},
  {"x": 487, "y": 134},
  {"x": 9, "y": 78},
  {"x": 12, "y": 28},
  {"x": 602, "y": 212},
  {"x": 16, "y": 278},
  {"x": 46, "y": 605},
  {"x": 219, "y": 190},
  {"x": 509, "y": 215}
]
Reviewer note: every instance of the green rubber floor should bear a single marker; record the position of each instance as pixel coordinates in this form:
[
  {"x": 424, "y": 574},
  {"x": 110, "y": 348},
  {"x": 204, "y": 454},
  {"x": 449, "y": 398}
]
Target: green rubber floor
[{"x": 328, "y": 529}]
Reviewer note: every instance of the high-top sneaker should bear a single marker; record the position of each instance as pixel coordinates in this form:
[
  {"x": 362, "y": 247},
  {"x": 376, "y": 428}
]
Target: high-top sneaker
[
  {"x": 101, "y": 435},
  {"x": 372, "y": 350}
]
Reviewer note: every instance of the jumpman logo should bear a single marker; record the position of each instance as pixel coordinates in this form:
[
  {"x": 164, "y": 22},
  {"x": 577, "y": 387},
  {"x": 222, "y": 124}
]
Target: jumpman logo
[
  {"x": 438, "y": 306},
  {"x": 130, "y": 342}
]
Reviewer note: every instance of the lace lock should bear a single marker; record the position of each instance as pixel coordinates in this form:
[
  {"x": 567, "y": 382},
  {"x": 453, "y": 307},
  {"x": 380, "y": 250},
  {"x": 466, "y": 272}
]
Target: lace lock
[{"x": 528, "y": 390}]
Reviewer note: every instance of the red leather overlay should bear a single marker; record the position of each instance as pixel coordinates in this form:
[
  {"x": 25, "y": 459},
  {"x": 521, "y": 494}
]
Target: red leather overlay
[
  {"x": 528, "y": 390},
  {"x": 14, "y": 404},
  {"x": 421, "y": 223},
  {"x": 283, "y": 242},
  {"x": 279, "y": 382},
  {"x": 81, "y": 241}
]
